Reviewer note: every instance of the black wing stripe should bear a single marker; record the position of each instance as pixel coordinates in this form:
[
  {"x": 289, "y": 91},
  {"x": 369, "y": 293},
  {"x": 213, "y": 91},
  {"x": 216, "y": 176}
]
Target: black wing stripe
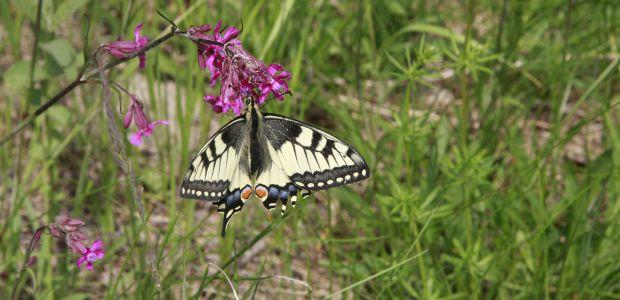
[
  {"x": 316, "y": 138},
  {"x": 328, "y": 149},
  {"x": 213, "y": 150},
  {"x": 205, "y": 161},
  {"x": 350, "y": 152}
]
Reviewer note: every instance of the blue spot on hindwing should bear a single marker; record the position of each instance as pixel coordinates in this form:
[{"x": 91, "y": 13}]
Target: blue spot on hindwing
[
  {"x": 292, "y": 189},
  {"x": 273, "y": 193}
]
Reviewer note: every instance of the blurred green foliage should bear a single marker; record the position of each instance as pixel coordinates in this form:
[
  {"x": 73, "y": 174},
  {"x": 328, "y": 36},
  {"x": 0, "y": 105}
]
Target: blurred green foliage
[{"x": 491, "y": 129}]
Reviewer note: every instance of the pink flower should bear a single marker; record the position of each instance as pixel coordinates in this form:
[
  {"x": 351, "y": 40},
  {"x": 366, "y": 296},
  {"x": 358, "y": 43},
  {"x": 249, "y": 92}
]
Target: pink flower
[
  {"x": 209, "y": 55},
  {"x": 64, "y": 225},
  {"x": 242, "y": 76},
  {"x": 74, "y": 237},
  {"x": 92, "y": 254},
  {"x": 275, "y": 83},
  {"x": 122, "y": 49},
  {"x": 70, "y": 230},
  {"x": 136, "y": 113},
  {"x": 74, "y": 241},
  {"x": 68, "y": 224}
]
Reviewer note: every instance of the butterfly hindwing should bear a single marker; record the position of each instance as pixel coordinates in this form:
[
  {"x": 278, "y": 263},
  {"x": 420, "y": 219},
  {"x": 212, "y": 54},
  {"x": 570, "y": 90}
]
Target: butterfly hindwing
[
  {"x": 311, "y": 158},
  {"x": 218, "y": 173},
  {"x": 233, "y": 200},
  {"x": 273, "y": 185}
]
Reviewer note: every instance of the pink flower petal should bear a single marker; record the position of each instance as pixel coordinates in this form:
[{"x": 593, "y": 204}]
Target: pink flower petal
[
  {"x": 230, "y": 34},
  {"x": 99, "y": 254},
  {"x": 216, "y": 30},
  {"x": 122, "y": 49},
  {"x": 80, "y": 261},
  {"x": 75, "y": 222},
  {"x": 97, "y": 245},
  {"x": 142, "y": 58},
  {"x": 75, "y": 245},
  {"x": 136, "y": 32},
  {"x": 161, "y": 122},
  {"x": 202, "y": 59},
  {"x": 127, "y": 119},
  {"x": 273, "y": 68},
  {"x": 136, "y": 138}
]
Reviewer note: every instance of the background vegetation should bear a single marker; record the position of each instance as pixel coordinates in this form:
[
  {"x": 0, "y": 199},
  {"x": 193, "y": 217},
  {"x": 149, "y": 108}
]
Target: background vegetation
[{"x": 491, "y": 128}]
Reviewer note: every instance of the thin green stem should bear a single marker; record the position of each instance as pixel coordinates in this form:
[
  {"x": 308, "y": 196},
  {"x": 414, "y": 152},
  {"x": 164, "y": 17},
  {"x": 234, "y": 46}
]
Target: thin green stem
[
  {"x": 464, "y": 124},
  {"x": 418, "y": 248},
  {"x": 35, "y": 52},
  {"x": 464, "y": 57}
]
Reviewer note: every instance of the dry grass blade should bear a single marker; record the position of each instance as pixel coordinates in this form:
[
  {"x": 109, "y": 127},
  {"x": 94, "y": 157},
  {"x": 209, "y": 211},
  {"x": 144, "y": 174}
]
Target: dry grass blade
[
  {"x": 373, "y": 276},
  {"x": 232, "y": 287}
]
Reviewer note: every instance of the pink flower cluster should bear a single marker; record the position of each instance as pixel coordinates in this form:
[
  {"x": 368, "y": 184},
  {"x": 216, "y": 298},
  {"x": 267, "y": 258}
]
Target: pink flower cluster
[
  {"x": 242, "y": 76},
  {"x": 122, "y": 49},
  {"x": 71, "y": 231},
  {"x": 136, "y": 114}
]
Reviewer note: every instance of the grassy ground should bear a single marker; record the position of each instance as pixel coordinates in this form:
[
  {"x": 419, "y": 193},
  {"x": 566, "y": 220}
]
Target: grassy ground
[{"x": 491, "y": 128}]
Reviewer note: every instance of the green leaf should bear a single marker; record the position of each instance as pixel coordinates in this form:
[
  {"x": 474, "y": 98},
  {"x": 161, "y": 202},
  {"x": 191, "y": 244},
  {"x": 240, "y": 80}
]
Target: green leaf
[
  {"x": 66, "y": 9},
  {"x": 396, "y": 8},
  {"x": 61, "y": 50},
  {"x": 77, "y": 296},
  {"x": 60, "y": 116},
  {"x": 28, "y": 8},
  {"x": 16, "y": 77}
]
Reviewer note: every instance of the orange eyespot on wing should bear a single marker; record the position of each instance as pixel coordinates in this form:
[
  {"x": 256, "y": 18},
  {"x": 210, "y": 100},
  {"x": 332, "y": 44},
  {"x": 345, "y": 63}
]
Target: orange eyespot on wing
[
  {"x": 261, "y": 192},
  {"x": 246, "y": 193}
]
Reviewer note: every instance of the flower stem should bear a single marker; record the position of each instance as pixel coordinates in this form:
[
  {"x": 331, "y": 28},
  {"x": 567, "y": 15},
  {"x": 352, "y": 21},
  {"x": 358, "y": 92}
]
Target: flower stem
[
  {"x": 34, "y": 241},
  {"x": 83, "y": 77},
  {"x": 124, "y": 163}
]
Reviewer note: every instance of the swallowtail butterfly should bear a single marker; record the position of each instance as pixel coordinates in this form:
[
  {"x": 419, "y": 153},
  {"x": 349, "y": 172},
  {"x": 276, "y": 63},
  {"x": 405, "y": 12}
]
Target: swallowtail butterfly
[{"x": 272, "y": 157}]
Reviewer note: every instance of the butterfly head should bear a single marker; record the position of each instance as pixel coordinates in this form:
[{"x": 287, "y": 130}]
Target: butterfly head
[
  {"x": 252, "y": 110},
  {"x": 250, "y": 104}
]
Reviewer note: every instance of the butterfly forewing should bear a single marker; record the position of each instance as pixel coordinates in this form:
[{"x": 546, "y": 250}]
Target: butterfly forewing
[
  {"x": 311, "y": 158},
  {"x": 214, "y": 171}
]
